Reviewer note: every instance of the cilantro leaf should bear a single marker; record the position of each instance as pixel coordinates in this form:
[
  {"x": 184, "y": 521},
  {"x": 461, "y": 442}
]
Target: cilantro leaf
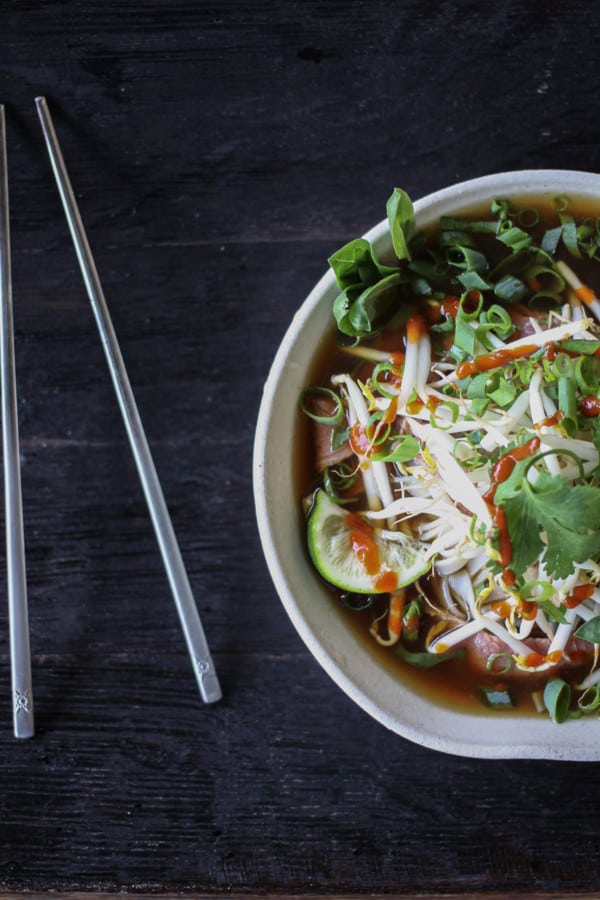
[{"x": 550, "y": 516}]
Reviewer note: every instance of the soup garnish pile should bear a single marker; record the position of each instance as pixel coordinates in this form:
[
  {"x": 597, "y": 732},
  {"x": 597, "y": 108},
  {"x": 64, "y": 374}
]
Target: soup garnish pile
[{"x": 455, "y": 426}]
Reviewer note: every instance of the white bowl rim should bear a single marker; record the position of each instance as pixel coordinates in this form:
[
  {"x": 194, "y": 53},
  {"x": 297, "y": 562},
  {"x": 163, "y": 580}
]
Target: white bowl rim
[{"x": 454, "y": 732}]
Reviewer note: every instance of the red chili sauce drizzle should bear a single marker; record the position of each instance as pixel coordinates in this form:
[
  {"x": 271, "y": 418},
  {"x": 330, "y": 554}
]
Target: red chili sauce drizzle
[{"x": 365, "y": 549}]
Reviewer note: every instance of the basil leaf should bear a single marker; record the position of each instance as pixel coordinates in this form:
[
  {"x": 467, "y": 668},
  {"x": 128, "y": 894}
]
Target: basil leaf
[
  {"x": 406, "y": 447},
  {"x": 361, "y": 316},
  {"x": 355, "y": 265},
  {"x": 401, "y": 218},
  {"x": 590, "y": 630}
]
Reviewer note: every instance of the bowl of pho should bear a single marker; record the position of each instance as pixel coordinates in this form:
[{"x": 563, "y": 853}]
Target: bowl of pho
[{"x": 427, "y": 472}]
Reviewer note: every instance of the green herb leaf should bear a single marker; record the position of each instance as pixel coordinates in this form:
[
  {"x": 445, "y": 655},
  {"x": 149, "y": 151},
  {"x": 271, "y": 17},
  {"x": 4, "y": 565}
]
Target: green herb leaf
[
  {"x": 568, "y": 514},
  {"x": 402, "y": 449},
  {"x": 355, "y": 265},
  {"x": 360, "y": 316},
  {"x": 401, "y": 218},
  {"x": 590, "y": 630}
]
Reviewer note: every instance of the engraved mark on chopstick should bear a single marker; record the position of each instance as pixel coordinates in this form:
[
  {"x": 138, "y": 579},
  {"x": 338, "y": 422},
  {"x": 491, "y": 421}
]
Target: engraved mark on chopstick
[
  {"x": 22, "y": 701},
  {"x": 203, "y": 667}
]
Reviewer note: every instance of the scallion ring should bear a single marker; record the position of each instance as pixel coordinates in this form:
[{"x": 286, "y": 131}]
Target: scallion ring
[
  {"x": 590, "y": 699},
  {"x": 315, "y": 394}
]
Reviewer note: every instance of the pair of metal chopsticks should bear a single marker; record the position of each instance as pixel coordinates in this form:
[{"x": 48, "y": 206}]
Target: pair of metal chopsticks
[{"x": 197, "y": 645}]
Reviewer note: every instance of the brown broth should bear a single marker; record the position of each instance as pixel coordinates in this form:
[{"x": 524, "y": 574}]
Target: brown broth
[{"x": 453, "y": 684}]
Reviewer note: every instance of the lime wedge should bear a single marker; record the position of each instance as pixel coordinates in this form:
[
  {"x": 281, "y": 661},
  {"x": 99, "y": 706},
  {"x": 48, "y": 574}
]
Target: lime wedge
[{"x": 351, "y": 555}]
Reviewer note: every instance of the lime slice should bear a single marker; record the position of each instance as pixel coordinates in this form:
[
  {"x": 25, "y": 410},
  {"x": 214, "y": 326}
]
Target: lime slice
[{"x": 383, "y": 566}]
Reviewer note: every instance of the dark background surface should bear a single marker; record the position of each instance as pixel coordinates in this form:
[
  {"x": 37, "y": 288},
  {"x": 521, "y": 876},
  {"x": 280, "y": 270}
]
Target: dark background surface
[{"x": 220, "y": 152}]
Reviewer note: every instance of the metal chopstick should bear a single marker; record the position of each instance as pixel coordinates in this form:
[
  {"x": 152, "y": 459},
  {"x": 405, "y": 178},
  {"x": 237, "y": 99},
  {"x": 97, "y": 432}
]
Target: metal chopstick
[
  {"x": 22, "y": 695},
  {"x": 188, "y": 613}
]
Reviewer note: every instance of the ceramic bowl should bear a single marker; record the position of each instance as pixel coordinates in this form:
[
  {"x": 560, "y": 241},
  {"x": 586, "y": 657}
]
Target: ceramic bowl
[{"x": 318, "y": 620}]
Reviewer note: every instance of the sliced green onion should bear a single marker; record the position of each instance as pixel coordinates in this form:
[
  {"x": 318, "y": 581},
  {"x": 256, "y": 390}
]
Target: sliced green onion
[
  {"x": 504, "y": 394},
  {"x": 549, "y": 278},
  {"x": 498, "y": 698},
  {"x": 529, "y": 217},
  {"x": 562, "y": 366},
  {"x": 496, "y": 320},
  {"x": 590, "y": 699},
  {"x": 587, "y": 374},
  {"x": 550, "y": 240},
  {"x": 524, "y": 369},
  {"x": 377, "y": 432},
  {"x": 477, "y": 385},
  {"x": 567, "y": 403},
  {"x": 557, "y": 699},
  {"x": 536, "y": 591},
  {"x": 420, "y": 287},
  {"x": 510, "y": 289},
  {"x": 382, "y": 386},
  {"x": 311, "y": 395},
  {"x": 478, "y": 406},
  {"x": 544, "y": 300},
  {"x": 484, "y": 226},
  {"x": 461, "y": 256},
  {"x": 588, "y": 348},
  {"x": 569, "y": 235},
  {"x": 560, "y": 202},
  {"x": 464, "y": 335},
  {"x": 454, "y": 414},
  {"x": 357, "y": 602},
  {"x": 472, "y": 281},
  {"x": 469, "y": 463},
  {"x": 501, "y": 208},
  {"x": 336, "y": 480},
  {"x": 477, "y": 532},
  {"x": 500, "y": 318},
  {"x": 431, "y": 266},
  {"x": 512, "y": 264},
  {"x": 508, "y": 664},
  {"x": 411, "y": 620},
  {"x": 514, "y": 238}
]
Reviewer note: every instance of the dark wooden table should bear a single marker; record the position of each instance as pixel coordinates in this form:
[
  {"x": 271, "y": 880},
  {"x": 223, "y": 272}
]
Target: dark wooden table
[{"x": 220, "y": 151}]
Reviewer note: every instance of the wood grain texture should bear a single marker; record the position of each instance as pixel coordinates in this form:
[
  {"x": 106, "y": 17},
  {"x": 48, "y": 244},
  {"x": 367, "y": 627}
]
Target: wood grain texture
[{"x": 220, "y": 152}]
